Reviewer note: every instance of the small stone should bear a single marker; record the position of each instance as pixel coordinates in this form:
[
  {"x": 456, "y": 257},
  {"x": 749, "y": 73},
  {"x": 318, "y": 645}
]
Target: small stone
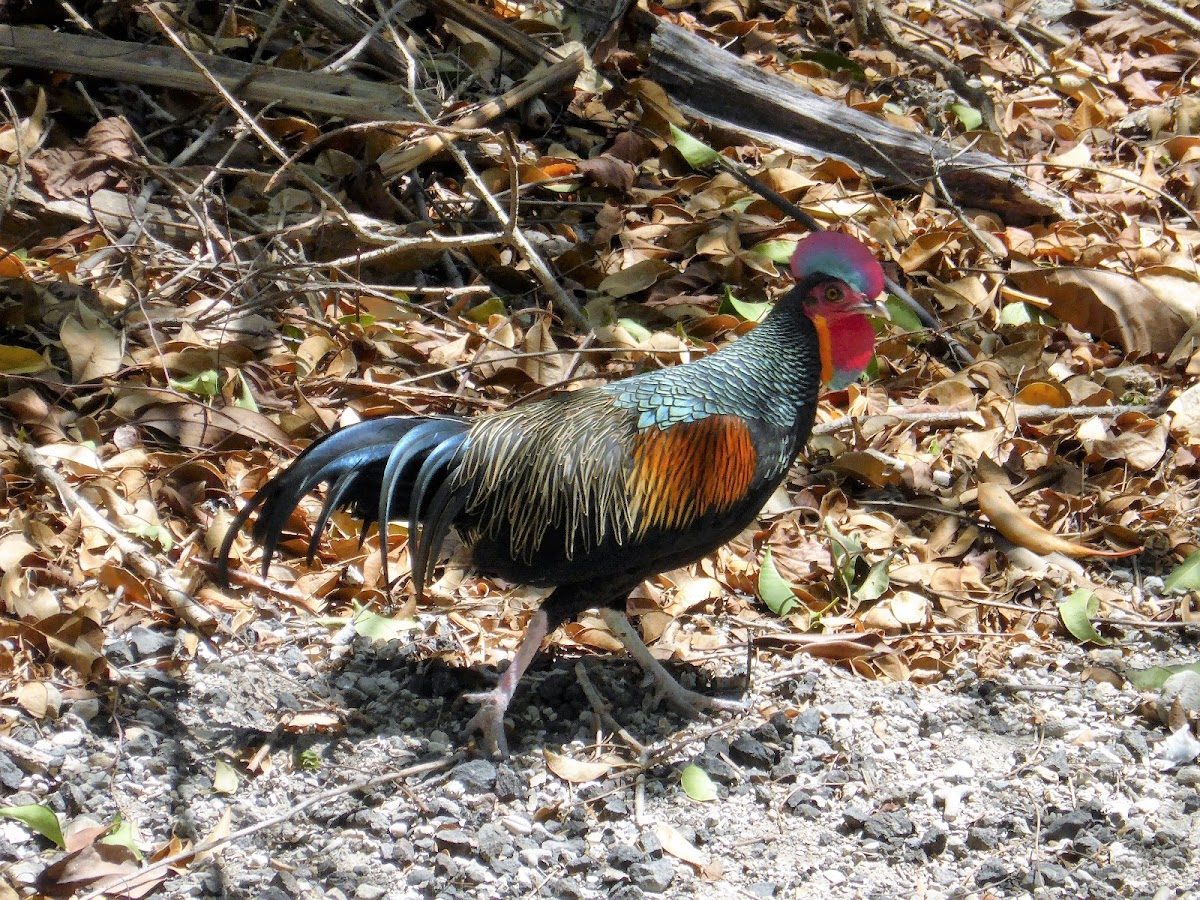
[
  {"x": 808, "y": 723},
  {"x": 518, "y": 825},
  {"x": 369, "y": 892},
  {"x": 991, "y": 872},
  {"x": 418, "y": 876},
  {"x": 1135, "y": 741},
  {"x": 1188, "y": 775},
  {"x": 10, "y": 775},
  {"x": 1182, "y": 688},
  {"x": 87, "y": 708},
  {"x": 750, "y": 752},
  {"x": 933, "y": 841},
  {"x": 717, "y": 769},
  {"x": 68, "y": 739},
  {"x": 622, "y": 856},
  {"x": 1066, "y": 826},
  {"x": 493, "y": 841},
  {"x": 654, "y": 876},
  {"x": 1051, "y": 874},
  {"x": 454, "y": 838},
  {"x": 651, "y": 844},
  {"x": 626, "y": 892},
  {"x": 888, "y": 826},
  {"x": 508, "y": 785},
  {"x": 566, "y": 888},
  {"x": 476, "y": 774},
  {"x": 855, "y": 817},
  {"x": 147, "y": 642},
  {"x": 959, "y": 770},
  {"x": 980, "y": 838}
]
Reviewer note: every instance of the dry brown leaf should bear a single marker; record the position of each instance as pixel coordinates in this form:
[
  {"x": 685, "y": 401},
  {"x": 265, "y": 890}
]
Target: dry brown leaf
[
  {"x": 1139, "y": 441},
  {"x": 13, "y": 549},
  {"x": 637, "y": 277},
  {"x": 574, "y": 770},
  {"x": 94, "y": 347},
  {"x": 35, "y": 698},
  {"x": 98, "y": 865},
  {"x": 196, "y": 426},
  {"x": 1044, "y": 393},
  {"x": 677, "y": 845},
  {"x": 608, "y": 171},
  {"x": 548, "y": 366},
  {"x": 1010, "y": 521},
  {"x": 1108, "y": 305}
]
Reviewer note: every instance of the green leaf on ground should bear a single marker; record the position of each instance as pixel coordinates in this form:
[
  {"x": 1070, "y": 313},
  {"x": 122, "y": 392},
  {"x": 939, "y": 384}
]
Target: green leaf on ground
[
  {"x": 697, "y": 784},
  {"x": 773, "y": 589},
  {"x": 695, "y": 153},
  {"x": 1077, "y": 611},
  {"x": 38, "y": 818}
]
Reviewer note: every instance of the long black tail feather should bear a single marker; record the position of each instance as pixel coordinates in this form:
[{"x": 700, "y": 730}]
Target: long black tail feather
[{"x": 397, "y": 463}]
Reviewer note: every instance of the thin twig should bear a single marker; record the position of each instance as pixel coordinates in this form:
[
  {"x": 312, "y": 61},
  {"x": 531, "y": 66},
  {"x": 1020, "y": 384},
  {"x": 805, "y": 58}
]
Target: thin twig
[
  {"x": 114, "y": 887},
  {"x": 955, "y": 418},
  {"x": 600, "y": 707},
  {"x": 134, "y": 555},
  {"x": 1170, "y": 12}
]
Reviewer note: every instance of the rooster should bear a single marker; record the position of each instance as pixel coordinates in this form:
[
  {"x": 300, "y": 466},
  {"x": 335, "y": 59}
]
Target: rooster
[{"x": 593, "y": 491}]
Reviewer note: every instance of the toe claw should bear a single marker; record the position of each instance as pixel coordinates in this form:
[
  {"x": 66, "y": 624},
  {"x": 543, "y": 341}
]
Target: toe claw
[
  {"x": 489, "y": 720},
  {"x": 692, "y": 702}
]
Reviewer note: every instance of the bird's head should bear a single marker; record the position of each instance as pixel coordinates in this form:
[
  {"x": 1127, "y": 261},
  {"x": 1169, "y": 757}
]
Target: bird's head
[{"x": 840, "y": 283}]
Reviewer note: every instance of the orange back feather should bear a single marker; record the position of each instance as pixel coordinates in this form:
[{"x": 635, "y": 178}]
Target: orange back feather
[{"x": 688, "y": 470}]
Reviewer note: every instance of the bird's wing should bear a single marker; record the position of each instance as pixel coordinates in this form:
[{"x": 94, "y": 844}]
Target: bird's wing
[
  {"x": 582, "y": 470},
  {"x": 553, "y": 467}
]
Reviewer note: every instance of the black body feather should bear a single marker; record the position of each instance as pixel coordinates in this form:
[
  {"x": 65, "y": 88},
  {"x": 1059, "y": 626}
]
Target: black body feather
[{"x": 548, "y": 493}]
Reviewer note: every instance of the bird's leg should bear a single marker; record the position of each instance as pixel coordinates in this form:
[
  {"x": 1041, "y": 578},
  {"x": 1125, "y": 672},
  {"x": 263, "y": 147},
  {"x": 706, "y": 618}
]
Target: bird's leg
[
  {"x": 490, "y": 718},
  {"x": 666, "y": 686}
]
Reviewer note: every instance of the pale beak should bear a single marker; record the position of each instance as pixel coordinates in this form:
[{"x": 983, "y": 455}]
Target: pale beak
[{"x": 873, "y": 306}]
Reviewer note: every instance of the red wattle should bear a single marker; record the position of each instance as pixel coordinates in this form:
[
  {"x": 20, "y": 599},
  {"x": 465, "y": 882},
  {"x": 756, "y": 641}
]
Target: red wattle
[{"x": 851, "y": 345}]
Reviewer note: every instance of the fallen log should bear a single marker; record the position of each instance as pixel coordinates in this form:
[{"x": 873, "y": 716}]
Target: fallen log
[{"x": 714, "y": 84}]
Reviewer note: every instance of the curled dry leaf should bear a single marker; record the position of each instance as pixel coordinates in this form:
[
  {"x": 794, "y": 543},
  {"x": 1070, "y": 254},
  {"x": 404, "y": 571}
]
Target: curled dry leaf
[
  {"x": 903, "y": 610},
  {"x": 1011, "y": 522},
  {"x": 1108, "y": 305},
  {"x": 677, "y": 845},
  {"x": 94, "y": 347},
  {"x": 574, "y": 770},
  {"x": 1140, "y": 441}
]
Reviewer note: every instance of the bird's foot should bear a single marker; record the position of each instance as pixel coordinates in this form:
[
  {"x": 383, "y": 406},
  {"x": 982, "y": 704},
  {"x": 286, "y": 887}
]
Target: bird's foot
[
  {"x": 665, "y": 687},
  {"x": 494, "y": 703},
  {"x": 489, "y": 721},
  {"x": 691, "y": 702}
]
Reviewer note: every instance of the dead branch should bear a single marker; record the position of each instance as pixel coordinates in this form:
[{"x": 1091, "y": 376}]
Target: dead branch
[
  {"x": 163, "y": 67},
  {"x": 477, "y": 18},
  {"x": 534, "y": 85},
  {"x": 713, "y": 84},
  {"x": 338, "y": 18},
  {"x": 161, "y": 581},
  {"x": 958, "y": 418},
  {"x": 1170, "y": 12}
]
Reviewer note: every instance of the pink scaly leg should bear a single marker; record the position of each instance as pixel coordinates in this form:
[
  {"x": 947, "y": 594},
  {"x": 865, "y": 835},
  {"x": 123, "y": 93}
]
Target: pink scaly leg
[
  {"x": 666, "y": 686},
  {"x": 490, "y": 718}
]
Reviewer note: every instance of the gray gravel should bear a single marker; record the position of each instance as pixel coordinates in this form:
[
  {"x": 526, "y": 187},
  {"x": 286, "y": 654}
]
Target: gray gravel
[{"x": 1041, "y": 784}]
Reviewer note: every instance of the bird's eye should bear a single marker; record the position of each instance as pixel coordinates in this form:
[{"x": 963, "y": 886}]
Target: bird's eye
[{"x": 834, "y": 294}]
